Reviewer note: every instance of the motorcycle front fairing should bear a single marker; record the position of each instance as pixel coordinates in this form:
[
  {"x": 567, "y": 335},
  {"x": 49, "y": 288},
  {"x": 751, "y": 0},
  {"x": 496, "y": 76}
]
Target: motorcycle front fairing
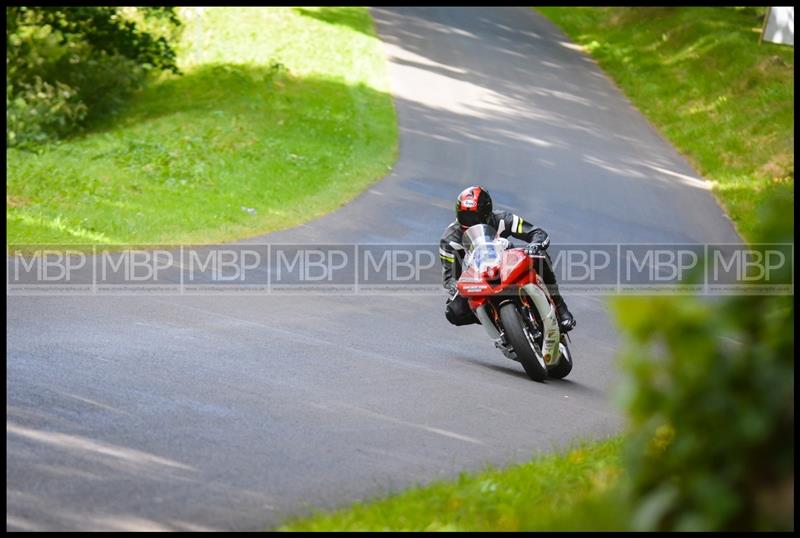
[{"x": 490, "y": 266}]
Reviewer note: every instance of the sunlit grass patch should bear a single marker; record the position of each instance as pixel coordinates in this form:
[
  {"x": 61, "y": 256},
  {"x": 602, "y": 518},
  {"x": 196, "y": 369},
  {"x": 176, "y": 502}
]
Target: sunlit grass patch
[
  {"x": 279, "y": 118},
  {"x": 576, "y": 489}
]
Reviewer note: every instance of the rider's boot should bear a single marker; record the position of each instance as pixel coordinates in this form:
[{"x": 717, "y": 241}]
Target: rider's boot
[{"x": 566, "y": 320}]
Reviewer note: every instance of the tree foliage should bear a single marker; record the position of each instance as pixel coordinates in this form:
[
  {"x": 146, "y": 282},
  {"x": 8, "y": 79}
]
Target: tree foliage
[
  {"x": 66, "y": 65},
  {"x": 710, "y": 393}
]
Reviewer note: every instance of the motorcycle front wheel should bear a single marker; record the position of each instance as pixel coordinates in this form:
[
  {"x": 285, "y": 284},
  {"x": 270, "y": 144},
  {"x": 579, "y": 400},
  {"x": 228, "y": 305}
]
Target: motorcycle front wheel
[
  {"x": 564, "y": 365},
  {"x": 519, "y": 336}
]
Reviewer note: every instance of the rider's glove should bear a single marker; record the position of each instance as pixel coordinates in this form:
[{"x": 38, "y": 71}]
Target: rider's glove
[{"x": 534, "y": 248}]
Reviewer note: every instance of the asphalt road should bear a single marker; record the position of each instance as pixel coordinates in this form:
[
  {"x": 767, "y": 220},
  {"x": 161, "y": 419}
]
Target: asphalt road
[{"x": 232, "y": 412}]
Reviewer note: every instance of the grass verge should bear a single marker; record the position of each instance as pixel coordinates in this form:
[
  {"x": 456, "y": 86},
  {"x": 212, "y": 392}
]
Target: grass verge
[
  {"x": 282, "y": 115},
  {"x": 701, "y": 76},
  {"x": 578, "y": 489}
]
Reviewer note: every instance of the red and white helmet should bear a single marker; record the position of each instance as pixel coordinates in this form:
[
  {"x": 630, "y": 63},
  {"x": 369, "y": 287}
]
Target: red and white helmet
[{"x": 473, "y": 206}]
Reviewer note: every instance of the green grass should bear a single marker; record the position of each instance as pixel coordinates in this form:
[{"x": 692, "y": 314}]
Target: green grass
[
  {"x": 701, "y": 76},
  {"x": 578, "y": 489},
  {"x": 281, "y": 115}
]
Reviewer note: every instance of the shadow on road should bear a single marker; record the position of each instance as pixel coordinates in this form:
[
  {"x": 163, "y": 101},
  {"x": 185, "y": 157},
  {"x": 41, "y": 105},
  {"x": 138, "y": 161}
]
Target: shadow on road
[{"x": 515, "y": 370}]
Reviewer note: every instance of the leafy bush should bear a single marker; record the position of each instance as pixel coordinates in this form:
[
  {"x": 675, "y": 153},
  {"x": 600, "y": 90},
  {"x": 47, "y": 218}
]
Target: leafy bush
[
  {"x": 36, "y": 110},
  {"x": 710, "y": 391},
  {"x": 65, "y": 66}
]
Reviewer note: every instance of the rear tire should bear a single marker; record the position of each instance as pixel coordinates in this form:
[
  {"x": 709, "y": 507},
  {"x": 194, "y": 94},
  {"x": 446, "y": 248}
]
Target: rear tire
[{"x": 518, "y": 336}]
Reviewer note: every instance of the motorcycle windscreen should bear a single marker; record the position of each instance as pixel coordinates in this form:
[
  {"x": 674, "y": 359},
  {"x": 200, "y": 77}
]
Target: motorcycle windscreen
[
  {"x": 482, "y": 247},
  {"x": 480, "y": 234}
]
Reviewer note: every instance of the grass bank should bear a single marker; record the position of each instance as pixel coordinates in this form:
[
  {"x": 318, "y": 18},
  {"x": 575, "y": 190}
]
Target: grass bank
[
  {"x": 701, "y": 76},
  {"x": 281, "y": 115},
  {"x": 577, "y": 489}
]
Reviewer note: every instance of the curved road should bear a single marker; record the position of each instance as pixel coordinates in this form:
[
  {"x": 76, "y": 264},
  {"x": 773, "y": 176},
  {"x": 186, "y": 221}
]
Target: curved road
[{"x": 178, "y": 412}]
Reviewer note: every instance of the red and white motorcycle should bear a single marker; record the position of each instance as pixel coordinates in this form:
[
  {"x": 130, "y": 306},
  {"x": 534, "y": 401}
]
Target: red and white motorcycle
[{"x": 513, "y": 304}]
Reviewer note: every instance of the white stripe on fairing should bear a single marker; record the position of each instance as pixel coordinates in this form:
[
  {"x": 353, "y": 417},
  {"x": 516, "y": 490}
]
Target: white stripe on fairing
[
  {"x": 501, "y": 226},
  {"x": 443, "y": 252},
  {"x": 514, "y": 221},
  {"x": 546, "y": 242},
  {"x": 456, "y": 245}
]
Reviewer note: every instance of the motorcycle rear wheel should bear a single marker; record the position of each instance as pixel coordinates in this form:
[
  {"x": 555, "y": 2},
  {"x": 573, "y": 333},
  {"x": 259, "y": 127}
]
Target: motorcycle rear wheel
[{"x": 518, "y": 335}]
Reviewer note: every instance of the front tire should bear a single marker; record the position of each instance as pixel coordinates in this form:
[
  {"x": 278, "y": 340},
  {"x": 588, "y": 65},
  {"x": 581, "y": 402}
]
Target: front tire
[
  {"x": 519, "y": 337},
  {"x": 564, "y": 365}
]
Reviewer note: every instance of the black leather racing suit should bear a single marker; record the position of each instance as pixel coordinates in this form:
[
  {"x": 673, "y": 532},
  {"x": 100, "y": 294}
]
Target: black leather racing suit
[{"x": 451, "y": 254}]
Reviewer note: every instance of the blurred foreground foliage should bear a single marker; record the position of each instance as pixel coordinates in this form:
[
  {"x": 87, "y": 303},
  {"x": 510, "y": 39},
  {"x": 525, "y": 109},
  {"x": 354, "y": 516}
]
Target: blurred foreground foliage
[
  {"x": 68, "y": 65},
  {"x": 710, "y": 393}
]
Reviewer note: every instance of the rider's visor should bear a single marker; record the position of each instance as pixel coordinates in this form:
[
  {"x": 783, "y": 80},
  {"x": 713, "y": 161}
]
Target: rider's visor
[{"x": 469, "y": 218}]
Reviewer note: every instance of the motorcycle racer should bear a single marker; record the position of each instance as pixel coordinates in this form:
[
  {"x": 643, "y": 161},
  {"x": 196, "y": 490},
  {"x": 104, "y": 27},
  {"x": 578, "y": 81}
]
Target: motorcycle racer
[{"x": 474, "y": 206}]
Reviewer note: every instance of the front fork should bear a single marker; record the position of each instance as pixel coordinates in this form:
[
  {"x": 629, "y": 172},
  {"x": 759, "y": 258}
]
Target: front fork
[
  {"x": 485, "y": 317},
  {"x": 551, "y": 349}
]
